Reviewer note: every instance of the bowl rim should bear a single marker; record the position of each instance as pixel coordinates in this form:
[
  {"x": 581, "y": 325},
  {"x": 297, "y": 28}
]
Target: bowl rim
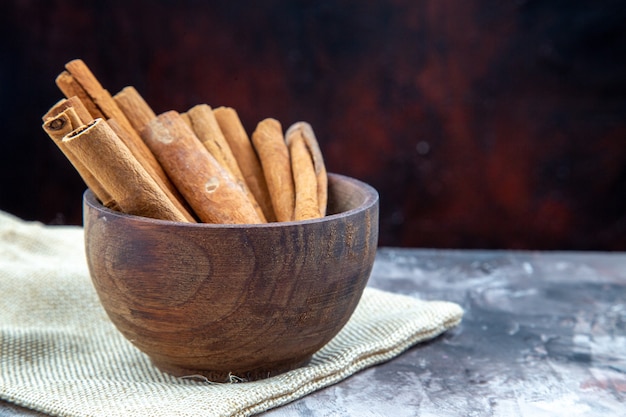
[{"x": 371, "y": 199}]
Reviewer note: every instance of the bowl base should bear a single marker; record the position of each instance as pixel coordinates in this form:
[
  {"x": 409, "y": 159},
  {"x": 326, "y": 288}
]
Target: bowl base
[{"x": 230, "y": 376}]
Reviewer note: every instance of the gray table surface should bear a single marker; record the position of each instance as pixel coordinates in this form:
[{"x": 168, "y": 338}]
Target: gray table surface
[{"x": 544, "y": 334}]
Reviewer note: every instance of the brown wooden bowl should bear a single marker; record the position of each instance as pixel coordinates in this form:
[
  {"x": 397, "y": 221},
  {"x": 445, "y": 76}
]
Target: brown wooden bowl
[{"x": 245, "y": 300}]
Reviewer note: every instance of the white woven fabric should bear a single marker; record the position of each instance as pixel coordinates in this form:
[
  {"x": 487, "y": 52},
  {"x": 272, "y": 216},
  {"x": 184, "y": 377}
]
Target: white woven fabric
[{"x": 59, "y": 353}]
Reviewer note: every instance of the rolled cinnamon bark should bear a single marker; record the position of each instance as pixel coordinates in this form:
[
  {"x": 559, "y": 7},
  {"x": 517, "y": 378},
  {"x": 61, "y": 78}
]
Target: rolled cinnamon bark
[
  {"x": 96, "y": 93},
  {"x": 111, "y": 162},
  {"x": 105, "y": 103},
  {"x": 204, "y": 124},
  {"x": 247, "y": 158},
  {"x": 209, "y": 189},
  {"x": 135, "y": 108},
  {"x": 273, "y": 154},
  {"x": 305, "y": 181},
  {"x": 70, "y": 88},
  {"x": 305, "y": 131},
  {"x": 62, "y": 124},
  {"x": 80, "y": 80},
  {"x": 79, "y": 108},
  {"x": 186, "y": 119},
  {"x": 148, "y": 161}
]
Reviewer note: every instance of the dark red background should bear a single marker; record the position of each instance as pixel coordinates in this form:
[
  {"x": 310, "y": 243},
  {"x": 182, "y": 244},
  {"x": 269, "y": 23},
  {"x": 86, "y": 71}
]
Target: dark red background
[{"x": 483, "y": 124}]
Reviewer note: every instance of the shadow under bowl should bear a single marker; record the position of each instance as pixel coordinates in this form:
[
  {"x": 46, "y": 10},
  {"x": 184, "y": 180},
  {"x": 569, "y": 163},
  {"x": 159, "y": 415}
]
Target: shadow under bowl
[{"x": 215, "y": 300}]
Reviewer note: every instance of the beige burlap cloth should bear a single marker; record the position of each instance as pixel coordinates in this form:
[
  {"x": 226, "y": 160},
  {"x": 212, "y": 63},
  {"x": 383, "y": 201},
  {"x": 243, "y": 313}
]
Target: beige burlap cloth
[{"x": 59, "y": 353}]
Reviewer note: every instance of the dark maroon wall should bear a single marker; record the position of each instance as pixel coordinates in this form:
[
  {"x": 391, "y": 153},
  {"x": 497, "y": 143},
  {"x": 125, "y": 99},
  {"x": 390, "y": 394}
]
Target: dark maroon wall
[{"x": 483, "y": 123}]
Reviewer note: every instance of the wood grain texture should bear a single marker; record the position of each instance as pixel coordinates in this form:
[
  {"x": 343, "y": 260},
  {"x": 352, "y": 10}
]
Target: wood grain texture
[
  {"x": 543, "y": 334},
  {"x": 252, "y": 300}
]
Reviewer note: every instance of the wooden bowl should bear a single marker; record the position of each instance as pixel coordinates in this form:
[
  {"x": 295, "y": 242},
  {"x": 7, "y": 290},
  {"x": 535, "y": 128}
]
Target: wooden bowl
[{"x": 245, "y": 300}]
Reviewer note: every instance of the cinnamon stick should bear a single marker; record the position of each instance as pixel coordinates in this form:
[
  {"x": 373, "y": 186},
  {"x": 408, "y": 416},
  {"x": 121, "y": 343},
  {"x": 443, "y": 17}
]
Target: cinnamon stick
[
  {"x": 59, "y": 126},
  {"x": 305, "y": 181},
  {"x": 135, "y": 108},
  {"x": 204, "y": 124},
  {"x": 62, "y": 123},
  {"x": 70, "y": 88},
  {"x": 97, "y": 146},
  {"x": 247, "y": 159},
  {"x": 106, "y": 105},
  {"x": 274, "y": 157},
  {"x": 148, "y": 161},
  {"x": 186, "y": 118},
  {"x": 79, "y": 108},
  {"x": 208, "y": 188},
  {"x": 96, "y": 93},
  {"x": 305, "y": 131}
]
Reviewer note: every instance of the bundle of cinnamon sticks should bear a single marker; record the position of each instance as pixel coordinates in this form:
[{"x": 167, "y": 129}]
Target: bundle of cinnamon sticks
[{"x": 195, "y": 166}]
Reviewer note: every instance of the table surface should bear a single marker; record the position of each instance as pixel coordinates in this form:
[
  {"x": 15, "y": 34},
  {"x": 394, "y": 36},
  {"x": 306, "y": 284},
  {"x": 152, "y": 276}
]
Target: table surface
[{"x": 544, "y": 334}]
